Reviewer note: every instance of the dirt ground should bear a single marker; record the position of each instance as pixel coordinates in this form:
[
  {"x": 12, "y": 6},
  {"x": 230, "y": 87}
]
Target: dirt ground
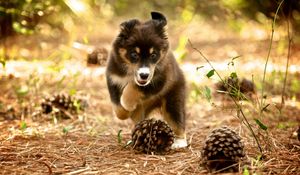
[{"x": 87, "y": 143}]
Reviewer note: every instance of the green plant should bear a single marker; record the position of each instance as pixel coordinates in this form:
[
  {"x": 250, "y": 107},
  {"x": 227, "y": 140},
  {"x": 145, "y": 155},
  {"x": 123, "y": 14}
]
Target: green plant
[
  {"x": 21, "y": 92},
  {"x": 66, "y": 129},
  {"x": 23, "y": 125},
  {"x": 287, "y": 62},
  {"x": 246, "y": 171},
  {"x": 243, "y": 119},
  {"x": 120, "y": 136},
  {"x": 262, "y": 100},
  {"x": 3, "y": 62}
]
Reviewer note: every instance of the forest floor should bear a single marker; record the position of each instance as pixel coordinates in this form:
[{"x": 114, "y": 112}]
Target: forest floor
[{"x": 88, "y": 143}]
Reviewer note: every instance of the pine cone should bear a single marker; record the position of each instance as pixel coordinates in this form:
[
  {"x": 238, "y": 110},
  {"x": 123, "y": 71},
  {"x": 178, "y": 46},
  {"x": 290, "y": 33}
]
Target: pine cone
[
  {"x": 97, "y": 57},
  {"x": 223, "y": 148},
  {"x": 152, "y": 135},
  {"x": 247, "y": 86},
  {"x": 63, "y": 102},
  {"x": 230, "y": 85}
]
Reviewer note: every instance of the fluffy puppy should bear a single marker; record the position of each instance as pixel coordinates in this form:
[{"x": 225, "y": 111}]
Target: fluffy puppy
[{"x": 142, "y": 75}]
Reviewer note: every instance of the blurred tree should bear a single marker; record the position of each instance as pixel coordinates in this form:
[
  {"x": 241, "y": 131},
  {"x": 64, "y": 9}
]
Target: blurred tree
[
  {"x": 290, "y": 9},
  {"x": 22, "y": 16}
]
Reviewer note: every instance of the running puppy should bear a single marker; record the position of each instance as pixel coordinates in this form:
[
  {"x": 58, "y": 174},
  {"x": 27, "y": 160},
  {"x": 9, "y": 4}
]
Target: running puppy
[{"x": 143, "y": 75}]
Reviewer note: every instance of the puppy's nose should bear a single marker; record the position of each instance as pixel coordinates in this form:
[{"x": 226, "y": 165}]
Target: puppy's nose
[
  {"x": 144, "y": 76},
  {"x": 143, "y": 73}
]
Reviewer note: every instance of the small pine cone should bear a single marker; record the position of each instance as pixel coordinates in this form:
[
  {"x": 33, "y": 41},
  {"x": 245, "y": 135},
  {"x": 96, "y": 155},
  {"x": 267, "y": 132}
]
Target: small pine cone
[
  {"x": 97, "y": 57},
  {"x": 230, "y": 85},
  {"x": 223, "y": 148},
  {"x": 152, "y": 135},
  {"x": 63, "y": 102},
  {"x": 247, "y": 86},
  {"x": 47, "y": 106}
]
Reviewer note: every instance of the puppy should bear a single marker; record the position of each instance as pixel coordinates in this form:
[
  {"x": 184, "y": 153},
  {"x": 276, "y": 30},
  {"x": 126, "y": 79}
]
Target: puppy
[{"x": 143, "y": 75}]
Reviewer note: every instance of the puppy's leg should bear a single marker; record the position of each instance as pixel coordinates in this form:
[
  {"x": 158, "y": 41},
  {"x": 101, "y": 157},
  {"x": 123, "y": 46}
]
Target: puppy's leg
[
  {"x": 120, "y": 112},
  {"x": 145, "y": 108},
  {"x": 138, "y": 114},
  {"x": 173, "y": 109},
  {"x": 130, "y": 97}
]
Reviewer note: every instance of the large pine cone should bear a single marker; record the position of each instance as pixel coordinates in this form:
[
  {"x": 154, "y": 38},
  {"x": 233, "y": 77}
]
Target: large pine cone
[
  {"x": 223, "y": 149},
  {"x": 152, "y": 135}
]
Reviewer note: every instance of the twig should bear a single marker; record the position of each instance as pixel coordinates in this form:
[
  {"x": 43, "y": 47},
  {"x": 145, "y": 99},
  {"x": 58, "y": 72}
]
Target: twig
[
  {"x": 48, "y": 166},
  {"x": 287, "y": 61},
  {"x": 79, "y": 171},
  {"x": 268, "y": 56}
]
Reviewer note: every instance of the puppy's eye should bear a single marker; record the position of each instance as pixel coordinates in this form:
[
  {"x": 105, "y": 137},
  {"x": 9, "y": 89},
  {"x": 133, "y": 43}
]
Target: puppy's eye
[
  {"x": 134, "y": 56},
  {"x": 153, "y": 56}
]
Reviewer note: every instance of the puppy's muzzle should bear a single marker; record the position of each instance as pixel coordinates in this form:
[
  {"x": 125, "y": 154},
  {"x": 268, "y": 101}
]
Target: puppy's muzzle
[{"x": 143, "y": 76}]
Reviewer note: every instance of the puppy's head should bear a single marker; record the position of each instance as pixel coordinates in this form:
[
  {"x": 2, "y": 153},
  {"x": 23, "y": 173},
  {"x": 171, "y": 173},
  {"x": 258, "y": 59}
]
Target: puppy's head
[{"x": 141, "y": 46}]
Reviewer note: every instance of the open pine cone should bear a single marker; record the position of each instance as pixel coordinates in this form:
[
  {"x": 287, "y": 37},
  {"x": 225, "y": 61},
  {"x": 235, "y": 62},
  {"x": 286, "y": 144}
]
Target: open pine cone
[
  {"x": 223, "y": 149},
  {"x": 152, "y": 135},
  {"x": 247, "y": 86},
  {"x": 230, "y": 85},
  {"x": 62, "y": 103},
  {"x": 233, "y": 85},
  {"x": 97, "y": 57}
]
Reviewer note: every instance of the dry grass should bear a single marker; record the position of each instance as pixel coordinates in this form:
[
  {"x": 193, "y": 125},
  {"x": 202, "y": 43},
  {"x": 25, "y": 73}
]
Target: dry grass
[
  {"x": 91, "y": 146},
  {"x": 81, "y": 153}
]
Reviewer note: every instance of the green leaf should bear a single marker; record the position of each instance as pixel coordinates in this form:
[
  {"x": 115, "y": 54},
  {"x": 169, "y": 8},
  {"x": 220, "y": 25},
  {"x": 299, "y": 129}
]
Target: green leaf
[
  {"x": 72, "y": 91},
  {"x": 260, "y": 124},
  {"x": 22, "y": 91},
  {"x": 85, "y": 40},
  {"x": 207, "y": 93},
  {"x": 200, "y": 67},
  {"x": 23, "y": 125},
  {"x": 3, "y": 62},
  {"x": 120, "y": 136},
  {"x": 246, "y": 171},
  {"x": 77, "y": 105},
  {"x": 210, "y": 73},
  {"x": 233, "y": 75},
  {"x": 67, "y": 129},
  {"x": 265, "y": 108},
  {"x": 259, "y": 157},
  {"x": 232, "y": 59},
  {"x": 281, "y": 126}
]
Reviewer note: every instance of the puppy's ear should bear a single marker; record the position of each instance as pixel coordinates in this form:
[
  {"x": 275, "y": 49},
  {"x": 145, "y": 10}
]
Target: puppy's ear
[
  {"x": 127, "y": 27},
  {"x": 160, "y": 18},
  {"x": 160, "y": 22}
]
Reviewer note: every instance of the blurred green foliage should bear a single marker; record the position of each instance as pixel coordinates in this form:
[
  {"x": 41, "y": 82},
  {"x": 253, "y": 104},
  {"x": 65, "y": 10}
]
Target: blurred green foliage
[
  {"x": 274, "y": 84},
  {"x": 253, "y": 9},
  {"x": 23, "y": 16}
]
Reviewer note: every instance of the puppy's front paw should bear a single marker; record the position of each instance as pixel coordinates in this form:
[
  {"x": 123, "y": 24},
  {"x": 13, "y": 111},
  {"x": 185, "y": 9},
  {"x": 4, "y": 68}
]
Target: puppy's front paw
[
  {"x": 130, "y": 97},
  {"x": 179, "y": 143},
  {"x": 128, "y": 104}
]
